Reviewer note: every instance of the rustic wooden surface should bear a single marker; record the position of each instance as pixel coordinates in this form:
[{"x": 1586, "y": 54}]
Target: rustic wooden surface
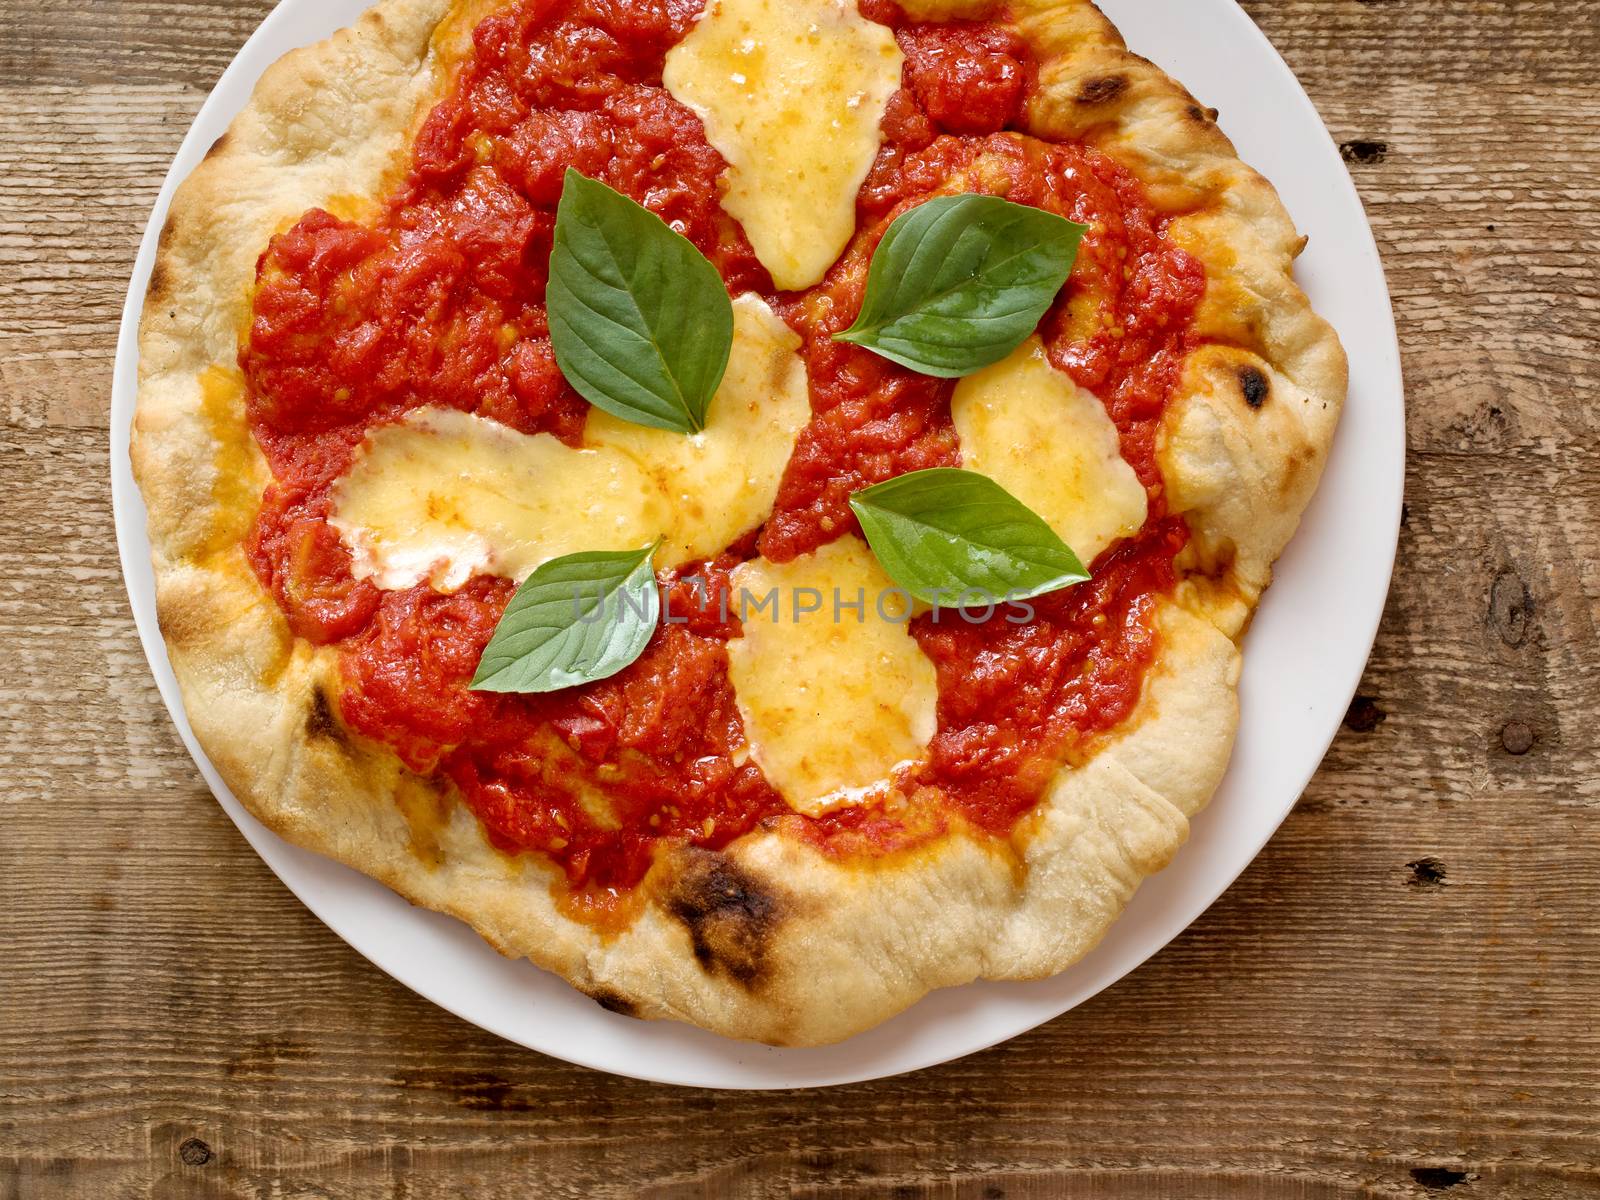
[{"x": 1398, "y": 999}]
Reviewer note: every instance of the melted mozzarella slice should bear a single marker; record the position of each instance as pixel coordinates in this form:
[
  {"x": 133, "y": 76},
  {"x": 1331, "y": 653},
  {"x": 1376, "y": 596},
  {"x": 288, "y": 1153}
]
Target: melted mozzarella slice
[
  {"x": 833, "y": 697},
  {"x": 791, "y": 93},
  {"x": 443, "y": 494},
  {"x": 722, "y": 482},
  {"x": 1049, "y": 443}
]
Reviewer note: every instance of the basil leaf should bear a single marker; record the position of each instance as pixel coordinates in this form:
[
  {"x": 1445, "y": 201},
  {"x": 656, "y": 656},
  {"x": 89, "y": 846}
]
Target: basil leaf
[
  {"x": 639, "y": 320},
  {"x": 576, "y": 619},
  {"x": 943, "y": 532},
  {"x": 959, "y": 281}
]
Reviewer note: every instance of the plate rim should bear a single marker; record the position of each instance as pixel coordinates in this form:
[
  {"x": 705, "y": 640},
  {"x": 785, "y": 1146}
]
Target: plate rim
[{"x": 737, "y": 1070}]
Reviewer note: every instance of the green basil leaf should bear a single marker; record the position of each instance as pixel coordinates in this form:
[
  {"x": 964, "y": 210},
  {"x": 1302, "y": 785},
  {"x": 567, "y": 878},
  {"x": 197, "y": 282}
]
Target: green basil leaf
[
  {"x": 576, "y": 619},
  {"x": 639, "y": 320},
  {"x": 944, "y": 532},
  {"x": 959, "y": 281}
]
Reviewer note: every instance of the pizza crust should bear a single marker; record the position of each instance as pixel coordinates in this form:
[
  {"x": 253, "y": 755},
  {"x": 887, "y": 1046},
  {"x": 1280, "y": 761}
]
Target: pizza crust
[{"x": 770, "y": 939}]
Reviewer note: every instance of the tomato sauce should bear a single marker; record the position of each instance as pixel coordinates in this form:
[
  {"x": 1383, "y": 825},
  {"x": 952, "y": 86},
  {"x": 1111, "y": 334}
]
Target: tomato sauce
[{"x": 438, "y": 299}]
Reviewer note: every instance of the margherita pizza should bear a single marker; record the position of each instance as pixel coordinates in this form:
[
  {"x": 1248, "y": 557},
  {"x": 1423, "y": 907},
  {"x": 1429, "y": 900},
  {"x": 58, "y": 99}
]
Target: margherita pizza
[{"x": 751, "y": 504}]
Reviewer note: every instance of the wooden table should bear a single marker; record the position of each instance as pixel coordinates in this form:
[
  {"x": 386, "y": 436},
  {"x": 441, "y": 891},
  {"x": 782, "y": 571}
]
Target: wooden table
[{"x": 1398, "y": 999}]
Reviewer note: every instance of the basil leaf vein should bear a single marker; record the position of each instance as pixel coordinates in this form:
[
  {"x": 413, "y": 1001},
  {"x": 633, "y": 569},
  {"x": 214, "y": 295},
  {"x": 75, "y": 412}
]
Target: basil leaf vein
[
  {"x": 640, "y": 322},
  {"x": 943, "y": 532},
  {"x": 958, "y": 282},
  {"x": 576, "y": 619}
]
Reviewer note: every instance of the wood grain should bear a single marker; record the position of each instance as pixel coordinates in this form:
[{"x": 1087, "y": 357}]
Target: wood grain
[{"x": 1398, "y": 999}]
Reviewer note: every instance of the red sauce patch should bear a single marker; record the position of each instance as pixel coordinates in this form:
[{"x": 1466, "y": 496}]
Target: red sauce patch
[
  {"x": 966, "y": 76},
  {"x": 1014, "y": 697},
  {"x": 1120, "y": 327},
  {"x": 440, "y": 300}
]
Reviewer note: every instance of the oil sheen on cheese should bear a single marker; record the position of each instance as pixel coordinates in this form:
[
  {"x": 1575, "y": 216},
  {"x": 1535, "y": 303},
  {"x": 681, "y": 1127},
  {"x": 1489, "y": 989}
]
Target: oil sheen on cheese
[
  {"x": 1049, "y": 443},
  {"x": 791, "y": 93},
  {"x": 444, "y": 495},
  {"x": 833, "y": 697}
]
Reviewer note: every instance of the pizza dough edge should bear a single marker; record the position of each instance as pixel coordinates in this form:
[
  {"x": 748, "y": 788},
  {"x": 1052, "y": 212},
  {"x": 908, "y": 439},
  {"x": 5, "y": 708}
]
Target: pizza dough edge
[
  {"x": 1243, "y": 445},
  {"x": 767, "y": 940}
]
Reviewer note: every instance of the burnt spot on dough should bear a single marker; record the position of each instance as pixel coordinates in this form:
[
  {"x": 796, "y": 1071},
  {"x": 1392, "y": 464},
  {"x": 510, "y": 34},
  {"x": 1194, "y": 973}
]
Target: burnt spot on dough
[
  {"x": 1204, "y": 116},
  {"x": 180, "y": 622},
  {"x": 160, "y": 285},
  {"x": 1254, "y": 384},
  {"x": 1103, "y": 89},
  {"x": 1295, "y": 465},
  {"x": 158, "y": 281},
  {"x": 320, "y": 721},
  {"x": 731, "y": 916},
  {"x": 613, "y": 1002}
]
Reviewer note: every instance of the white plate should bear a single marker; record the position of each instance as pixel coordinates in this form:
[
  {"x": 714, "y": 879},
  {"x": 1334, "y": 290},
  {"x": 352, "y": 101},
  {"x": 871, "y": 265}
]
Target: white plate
[{"x": 1304, "y": 653}]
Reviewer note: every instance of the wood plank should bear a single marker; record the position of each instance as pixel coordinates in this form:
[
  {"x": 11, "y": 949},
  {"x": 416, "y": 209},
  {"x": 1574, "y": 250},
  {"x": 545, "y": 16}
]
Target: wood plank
[{"x": 1396, "y": 999}]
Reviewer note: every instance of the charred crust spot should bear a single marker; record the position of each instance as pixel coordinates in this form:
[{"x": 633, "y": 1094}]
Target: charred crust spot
[
  {"x": 731, "y": 916},
  {"x": 158, "y": 279},
  {"x": 1102, "y": 90},
  {"x": 1254, "y": 385},
  {"x": 320, "y": 721},
  {"x": 1295, "y": 465},
  {"x": 169, "y": 231},
  {"x": 1202, "y": 115},
  {"x": 613, "y": 1002},
  {"x": 160, "y": 285}
]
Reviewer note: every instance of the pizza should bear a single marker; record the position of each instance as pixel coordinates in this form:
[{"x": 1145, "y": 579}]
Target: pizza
[{"x": 776, "y": 316}]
